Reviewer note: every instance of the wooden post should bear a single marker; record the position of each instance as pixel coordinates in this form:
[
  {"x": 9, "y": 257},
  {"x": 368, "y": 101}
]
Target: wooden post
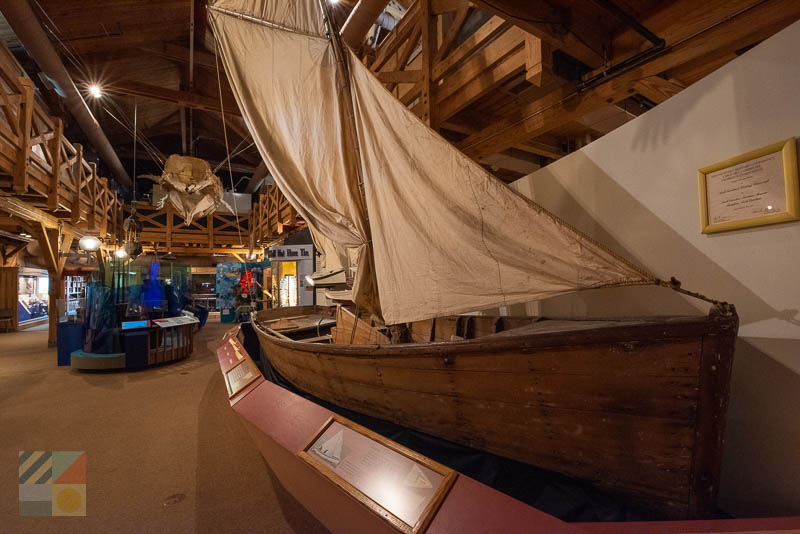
[
  {"x": 50, "y": 247},
  {"x": 55, "y": 157},
  {"x": 24, "y": 153},
  {"x": 105, "y": 212},
  {"x": 429, "y": 42},
  {"x": 78, "y": 176},
  {"x": 114, "y": 217},
  {"x": 93, "y": 207},
  {"x": 56, "y": 293},
  {"x": 210, "y": 230}
]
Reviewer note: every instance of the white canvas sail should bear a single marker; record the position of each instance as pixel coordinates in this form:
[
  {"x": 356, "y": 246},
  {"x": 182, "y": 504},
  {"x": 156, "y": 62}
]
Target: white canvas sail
[
  {"x": 289, "y": 89},
  {"x": 447, "y": 237}
]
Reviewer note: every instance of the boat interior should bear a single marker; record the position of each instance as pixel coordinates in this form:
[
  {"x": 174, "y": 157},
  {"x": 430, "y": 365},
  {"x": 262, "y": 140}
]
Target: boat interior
[{"x": 341, "y": 325}]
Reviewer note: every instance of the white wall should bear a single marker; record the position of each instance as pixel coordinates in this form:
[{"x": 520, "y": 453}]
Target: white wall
[{"x": 635, "y": 189}]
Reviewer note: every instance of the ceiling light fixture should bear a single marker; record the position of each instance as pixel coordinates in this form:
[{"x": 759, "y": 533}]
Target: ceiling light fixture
[
  {"x": 95, "y": 90},
  {"x": 89, "y": 243},
  {"x": 120, "y": 253}
]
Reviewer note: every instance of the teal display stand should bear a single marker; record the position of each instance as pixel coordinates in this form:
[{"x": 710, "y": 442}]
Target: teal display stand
[{"x": 227, "y": 315}]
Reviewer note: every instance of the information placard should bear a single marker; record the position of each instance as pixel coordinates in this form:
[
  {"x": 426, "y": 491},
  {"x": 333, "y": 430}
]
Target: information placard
[
  {"x": 760, "y": 187},
  {"x": 398, "y": 484},
  {"x": 240, "y": 376}
]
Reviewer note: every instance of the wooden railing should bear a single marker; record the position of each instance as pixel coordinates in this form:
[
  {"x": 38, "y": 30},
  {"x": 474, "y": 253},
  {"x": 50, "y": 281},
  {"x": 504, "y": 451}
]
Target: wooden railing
[
  {"x": 39, "y": 165},
  {"x": 216, "y": 233},
  {"x": 273, "y": 216},
  {"x": 44, "y": 169}
]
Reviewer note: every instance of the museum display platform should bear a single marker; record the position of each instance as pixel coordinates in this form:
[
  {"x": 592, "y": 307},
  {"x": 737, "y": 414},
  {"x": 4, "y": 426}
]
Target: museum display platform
[
  {"x": 145, "y": 343},
  {"x": 337, "y": 470}
]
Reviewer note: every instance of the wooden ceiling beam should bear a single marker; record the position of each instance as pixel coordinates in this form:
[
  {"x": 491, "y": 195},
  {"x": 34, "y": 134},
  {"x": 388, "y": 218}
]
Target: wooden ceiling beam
[
  {"x": 488, "y": 31},
  {"x": 439, "y": 7},
  {"x": 31, "y": 215},
  {"x": 657, "y": 89},
  {"x": 180, "y": 54},
  {"x": 396, "y": 37},
  {"x": 181, "y": 98},
  {"x": 491, "y": 66},
  {"x": 554, "y": 26},
  {"x": 449, "y": 37},
  {"x": 564, "y": 104},
  {"x": 154, "y": 32},
  {"x": 257, "y": 178},
  {"x": 538, "y": 61},
  {"x": 198, "y": 251},
  {"x": 540, "y": 149}
]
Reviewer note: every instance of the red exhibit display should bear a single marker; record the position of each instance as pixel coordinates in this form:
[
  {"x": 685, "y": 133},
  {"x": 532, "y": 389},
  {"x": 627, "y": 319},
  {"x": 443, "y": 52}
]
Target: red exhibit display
[
  {"x": 353, "y": 480},
  {"x": 395, "y": 482}
]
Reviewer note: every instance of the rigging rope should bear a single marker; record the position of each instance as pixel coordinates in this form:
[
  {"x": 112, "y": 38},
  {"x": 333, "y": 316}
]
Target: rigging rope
[{"x": 225, "y": 134}]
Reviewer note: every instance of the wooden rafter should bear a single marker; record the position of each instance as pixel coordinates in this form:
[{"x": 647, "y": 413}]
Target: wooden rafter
[
  {"x": 564, "y": 104},
  {"x": 180, "y": 54},
  {"x": 552, "y": 25},
  {"x": 181, "y": 98}
]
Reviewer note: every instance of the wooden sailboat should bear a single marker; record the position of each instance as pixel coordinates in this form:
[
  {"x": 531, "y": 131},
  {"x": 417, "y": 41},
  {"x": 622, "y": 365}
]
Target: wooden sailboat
[{"x": 636, "y": 405}]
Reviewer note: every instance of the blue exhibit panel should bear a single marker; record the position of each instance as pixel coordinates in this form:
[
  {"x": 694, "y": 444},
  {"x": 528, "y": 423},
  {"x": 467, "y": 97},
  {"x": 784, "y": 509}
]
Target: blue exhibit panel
[{"x": 130, "y": 325}]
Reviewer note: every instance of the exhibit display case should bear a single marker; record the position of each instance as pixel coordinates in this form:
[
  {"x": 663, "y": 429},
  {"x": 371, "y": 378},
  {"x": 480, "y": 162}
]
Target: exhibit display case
[{"x": 33, "y": 298}]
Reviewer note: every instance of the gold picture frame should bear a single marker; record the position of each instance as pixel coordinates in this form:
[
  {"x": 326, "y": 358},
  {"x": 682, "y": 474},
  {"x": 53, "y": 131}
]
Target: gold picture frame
[
  {"x": 791, "y": 190},
  {"x": 448, "y": 476}
]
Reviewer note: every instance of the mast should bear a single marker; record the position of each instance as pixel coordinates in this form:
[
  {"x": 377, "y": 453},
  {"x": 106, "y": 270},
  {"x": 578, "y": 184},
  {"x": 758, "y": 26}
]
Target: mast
[{"x": 342, "y": 61}]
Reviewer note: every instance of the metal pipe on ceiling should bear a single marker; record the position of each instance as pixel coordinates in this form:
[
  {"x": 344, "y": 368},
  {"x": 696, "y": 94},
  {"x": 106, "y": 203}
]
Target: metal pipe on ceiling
[
  {"x": 361, "y": 19},
  {"x": 26, "y": 26},
  {"x": 658, "y": 45}
]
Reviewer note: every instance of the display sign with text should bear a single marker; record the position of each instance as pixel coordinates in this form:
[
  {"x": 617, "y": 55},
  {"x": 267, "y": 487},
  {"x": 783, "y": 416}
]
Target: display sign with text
[
  {"x": 757, "y": 188},
  {"x": 382, "y": 474}
]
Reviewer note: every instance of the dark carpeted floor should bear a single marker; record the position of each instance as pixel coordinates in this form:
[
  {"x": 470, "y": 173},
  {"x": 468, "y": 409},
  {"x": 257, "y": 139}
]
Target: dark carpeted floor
[{"x": 165, "y": 452}]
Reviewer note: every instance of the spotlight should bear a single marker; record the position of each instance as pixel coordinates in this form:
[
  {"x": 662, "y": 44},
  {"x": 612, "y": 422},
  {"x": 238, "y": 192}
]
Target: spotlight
[
  {"x": 120, "y": 253},
  {"x": 89, "y": 243},
  {"x": 95, "y": 90}
]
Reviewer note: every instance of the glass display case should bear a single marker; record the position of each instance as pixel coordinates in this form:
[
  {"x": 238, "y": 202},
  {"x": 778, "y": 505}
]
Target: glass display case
[{"x": 33, "y": 299}]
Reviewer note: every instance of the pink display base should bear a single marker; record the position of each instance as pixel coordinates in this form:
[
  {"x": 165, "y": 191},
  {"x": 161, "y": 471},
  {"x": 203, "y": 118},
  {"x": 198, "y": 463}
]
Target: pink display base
[{"x": 282, "y": 423}]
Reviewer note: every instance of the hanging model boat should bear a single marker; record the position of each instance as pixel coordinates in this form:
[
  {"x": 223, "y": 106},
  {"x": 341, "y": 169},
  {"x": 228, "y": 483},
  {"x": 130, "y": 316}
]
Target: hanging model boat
[{"x": 637, "y": 405}]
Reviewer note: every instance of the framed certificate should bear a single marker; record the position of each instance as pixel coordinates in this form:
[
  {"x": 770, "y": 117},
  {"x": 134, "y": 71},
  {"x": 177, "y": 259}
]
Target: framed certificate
[
  {"x": 396, "y": 483},
  {"x": 757, "y": 188}
]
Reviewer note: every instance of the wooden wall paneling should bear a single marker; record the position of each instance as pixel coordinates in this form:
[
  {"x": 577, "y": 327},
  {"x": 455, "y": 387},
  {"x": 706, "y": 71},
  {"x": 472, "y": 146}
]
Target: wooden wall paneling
[{"x": 9, "y": 296}]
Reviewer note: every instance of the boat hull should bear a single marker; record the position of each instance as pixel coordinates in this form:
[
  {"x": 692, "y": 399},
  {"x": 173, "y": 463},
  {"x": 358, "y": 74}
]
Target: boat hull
[{"x": 636, "y": 408}]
